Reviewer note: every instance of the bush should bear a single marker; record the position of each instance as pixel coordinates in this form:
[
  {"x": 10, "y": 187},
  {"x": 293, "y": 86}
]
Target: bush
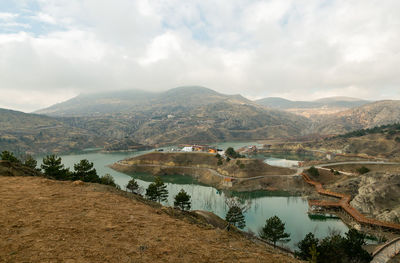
[
  {"x": 334, "y": 248},
  {"x": 9, "y": 156},
  {"x": 397, "y": 139},
  {"x": 219, "y": 162},
  {"x": 363, "y": 170},
  {"x": 313, "y": 171},
  {"x": 230, "y": 152},
  {"x": 107, "y": 179}
]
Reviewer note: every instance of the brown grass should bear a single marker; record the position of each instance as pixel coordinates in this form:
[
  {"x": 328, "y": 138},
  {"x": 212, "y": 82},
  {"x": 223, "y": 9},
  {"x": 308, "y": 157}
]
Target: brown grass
[{"x": 51, "y": 221}]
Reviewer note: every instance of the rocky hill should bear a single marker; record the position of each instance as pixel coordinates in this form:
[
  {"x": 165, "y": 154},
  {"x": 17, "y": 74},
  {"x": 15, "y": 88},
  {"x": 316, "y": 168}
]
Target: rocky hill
[
  {"x": 366, "y": 116},
  {"x": 180, "y": 115},
  {"x": 21, "y": 132},
  {"x": 57, "y": 221},
  {"x": 311, "y": 108}
]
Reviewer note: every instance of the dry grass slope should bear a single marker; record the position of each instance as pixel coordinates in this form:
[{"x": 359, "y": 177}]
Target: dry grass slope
[{"x": 52, "y": 221}]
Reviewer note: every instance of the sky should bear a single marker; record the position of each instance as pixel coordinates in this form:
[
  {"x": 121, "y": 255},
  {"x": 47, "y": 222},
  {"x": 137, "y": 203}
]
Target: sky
[{"x": 53, "y": 50}]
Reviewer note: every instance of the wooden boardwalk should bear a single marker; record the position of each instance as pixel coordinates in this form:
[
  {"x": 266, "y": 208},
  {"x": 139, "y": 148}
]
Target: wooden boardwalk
[{"x": 344, "y": 203}]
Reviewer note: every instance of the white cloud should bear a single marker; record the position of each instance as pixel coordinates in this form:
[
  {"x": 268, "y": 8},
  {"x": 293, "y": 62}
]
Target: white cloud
[{"x": 296, "y": 49}]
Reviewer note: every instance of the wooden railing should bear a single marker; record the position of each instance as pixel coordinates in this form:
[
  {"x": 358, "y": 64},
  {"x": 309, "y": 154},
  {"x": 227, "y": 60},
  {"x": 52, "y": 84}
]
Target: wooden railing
[{"x": 344, "y": 203}]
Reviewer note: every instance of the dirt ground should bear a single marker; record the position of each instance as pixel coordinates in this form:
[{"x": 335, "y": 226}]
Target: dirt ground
[{"x": 51, "y": 221}]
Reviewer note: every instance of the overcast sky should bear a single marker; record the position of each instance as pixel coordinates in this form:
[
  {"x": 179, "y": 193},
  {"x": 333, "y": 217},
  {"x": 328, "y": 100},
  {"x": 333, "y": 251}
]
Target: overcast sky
[{"x": 52, "y": 50}]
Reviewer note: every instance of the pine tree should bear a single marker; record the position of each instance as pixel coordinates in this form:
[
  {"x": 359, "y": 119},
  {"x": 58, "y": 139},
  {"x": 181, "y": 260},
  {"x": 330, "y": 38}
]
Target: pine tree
[
  {"x": 162, "y": 192},
  {"x": 182, "y": 200},
  {"x": 132, "y": 186},
  {"x": 30, "y": 162},
  {"x": 274, "y": 230},
  {"x": 9, "y": 156},
  {"x": 235, "y": 217},
  {"x": 52, "y": 167},
  {"x": 84, "y": 171},
  {"x": 151, "y": 192}
]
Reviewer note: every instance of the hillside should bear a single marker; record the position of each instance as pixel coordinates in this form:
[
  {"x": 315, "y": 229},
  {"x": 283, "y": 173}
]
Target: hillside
[
  {"x": 180, "y": 115},
  {"x": 55, "y": 221},
  {"x": 311, "y": 108},
  {"x": 382, "y": 141},
  {"x": 21, "y": 132},
  {"x": 366, "y": 116}
]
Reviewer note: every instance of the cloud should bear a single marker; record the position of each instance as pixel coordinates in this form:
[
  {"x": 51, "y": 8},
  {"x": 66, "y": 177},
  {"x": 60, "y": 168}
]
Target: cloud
[{"x": 295, "y": 49}]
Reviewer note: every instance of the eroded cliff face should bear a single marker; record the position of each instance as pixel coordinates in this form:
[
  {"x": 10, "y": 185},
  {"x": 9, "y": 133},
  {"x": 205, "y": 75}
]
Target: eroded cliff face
[{"x": 379, "y": 195}]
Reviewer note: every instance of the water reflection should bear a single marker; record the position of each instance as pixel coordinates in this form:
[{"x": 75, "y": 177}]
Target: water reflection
[{"x": 291, "y": 209}]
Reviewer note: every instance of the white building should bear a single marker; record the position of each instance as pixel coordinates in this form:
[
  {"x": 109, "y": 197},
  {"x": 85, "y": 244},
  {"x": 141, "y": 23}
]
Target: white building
[{"x": 187, "y": 149}]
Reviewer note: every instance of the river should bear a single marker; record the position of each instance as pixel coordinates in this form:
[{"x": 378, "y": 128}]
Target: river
[{"x": 263, "y": 204}]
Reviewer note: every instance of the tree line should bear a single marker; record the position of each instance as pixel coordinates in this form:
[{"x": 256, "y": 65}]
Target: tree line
[{"x": 332, "y": 249}]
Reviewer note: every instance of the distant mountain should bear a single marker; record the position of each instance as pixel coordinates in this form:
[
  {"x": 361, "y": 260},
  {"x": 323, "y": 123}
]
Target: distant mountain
[
  {"x": 21, "y": 132},
  {"x": 330, "y": 102},
  {"x": 106, "y": 103},
  {"x": 180, "y": 115},
  {"x": 367, "y": 116}
]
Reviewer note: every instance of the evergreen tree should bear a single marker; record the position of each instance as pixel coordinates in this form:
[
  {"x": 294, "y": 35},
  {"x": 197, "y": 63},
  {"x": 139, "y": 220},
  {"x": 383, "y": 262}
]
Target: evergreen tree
[
  {"x": 132, "y": 186},
  {"x": 305, "y": 246},
  {"x": 162, "y": 192},
  {"x": 84, "y": 171},
  {"x": 30, "y": 162},
  {"x": 235, "y": 217},
  {"x": 52, "y": 167},
  {"x": 274, "y": 230},
  {"x": 182, "y": 200},
  {"x": 151, "y": 192},
  {"x": 9, "y": 156},
  {"x": 157, "y": 191}
]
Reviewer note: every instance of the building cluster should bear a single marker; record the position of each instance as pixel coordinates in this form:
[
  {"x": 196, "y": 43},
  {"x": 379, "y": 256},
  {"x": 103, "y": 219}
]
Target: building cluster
[{"x": 200, "y": 148}]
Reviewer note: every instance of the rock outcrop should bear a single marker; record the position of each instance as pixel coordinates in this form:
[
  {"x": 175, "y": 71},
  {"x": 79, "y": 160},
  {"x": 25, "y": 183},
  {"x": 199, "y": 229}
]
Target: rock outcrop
[{"x": 379, "y": 195}]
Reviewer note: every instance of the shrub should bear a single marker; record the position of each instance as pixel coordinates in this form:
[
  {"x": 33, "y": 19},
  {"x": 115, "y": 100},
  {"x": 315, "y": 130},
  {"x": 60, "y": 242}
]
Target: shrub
[
  {"x": 9, "y": 156},
  {"x": 313, "y": 171},
  {"x": 230, "y": 152},
  {"x": 107, "y": 179},
  {"x": 363, "y": 170}
]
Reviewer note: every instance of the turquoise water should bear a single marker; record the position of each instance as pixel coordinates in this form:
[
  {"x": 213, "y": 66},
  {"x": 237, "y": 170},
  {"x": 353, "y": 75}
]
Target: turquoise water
[{"x": 291, "y": 209}]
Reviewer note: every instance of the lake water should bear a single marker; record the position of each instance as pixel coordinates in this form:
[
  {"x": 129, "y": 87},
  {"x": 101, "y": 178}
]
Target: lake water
[{"x": 291, "y": 209}]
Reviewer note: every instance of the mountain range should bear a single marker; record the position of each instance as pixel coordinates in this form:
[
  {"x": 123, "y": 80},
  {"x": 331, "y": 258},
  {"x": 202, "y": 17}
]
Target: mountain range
[{"x": 180, "y": 115}]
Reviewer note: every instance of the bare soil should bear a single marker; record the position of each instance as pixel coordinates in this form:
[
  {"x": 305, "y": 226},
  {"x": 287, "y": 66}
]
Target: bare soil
[{"x": 51, "y": 221}]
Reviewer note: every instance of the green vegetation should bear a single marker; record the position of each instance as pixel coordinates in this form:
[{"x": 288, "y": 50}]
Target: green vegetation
[
  {"x": 274, "y": 230},
  {"x": 230, "y": 152},
  {"x": 107, "y": 179},
  {"x": 133, "y": 186},
  {"x": 313, "y": 171},
  {"x": 53, "y": 168},
  {"x": 182, "y": 200},
  {"x": 30, "y": 162},
  {"x": 334, "y": 248},
  {"x": 85, "y": 172},
  {"x": 389, "y": 129},
  {"x": 157, "y": 191},
  {"x": 235, "y": 217},
  {"x": 363, "y": 170},
  {"x": 9, "y": 156}
]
